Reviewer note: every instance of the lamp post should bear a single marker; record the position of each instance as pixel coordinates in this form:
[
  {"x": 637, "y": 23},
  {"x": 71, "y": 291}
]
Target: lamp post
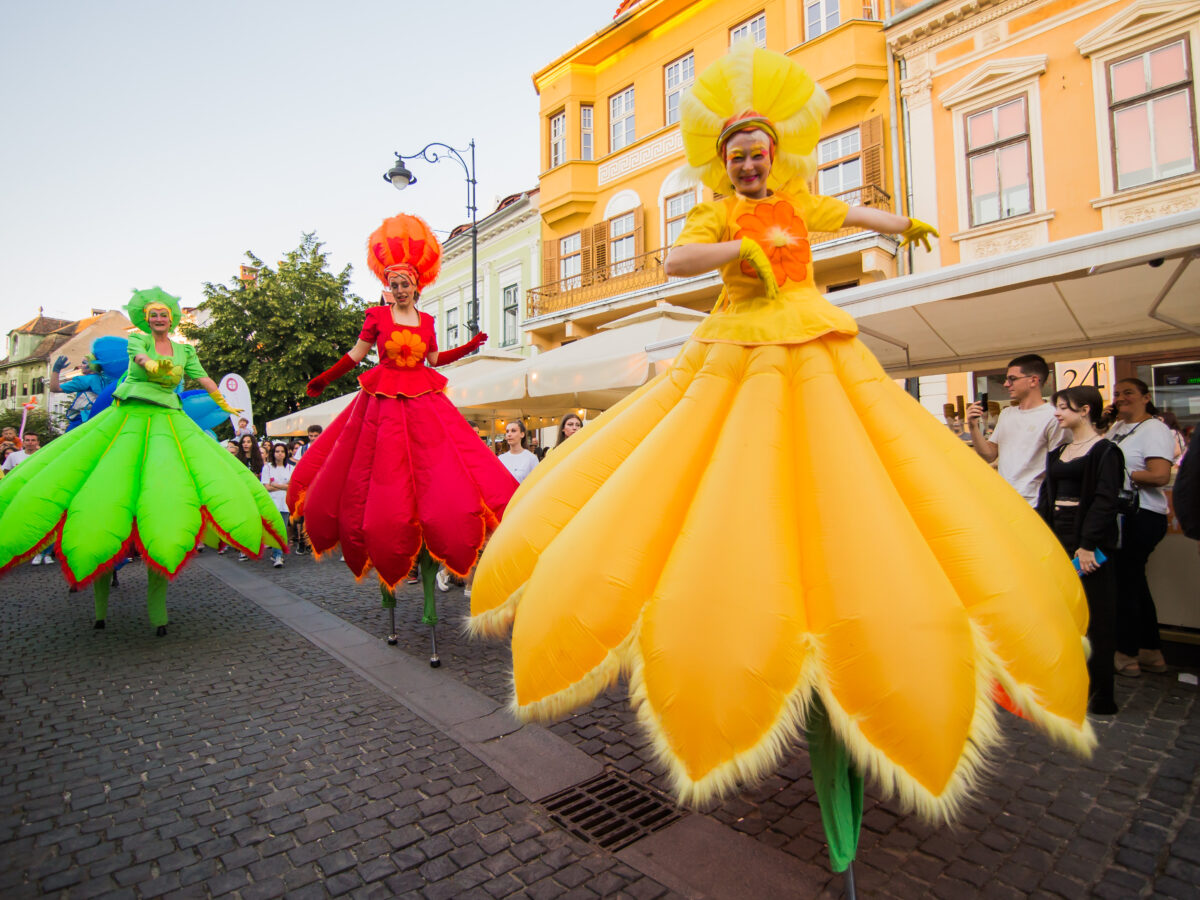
[{"x": 400, "y": 177}]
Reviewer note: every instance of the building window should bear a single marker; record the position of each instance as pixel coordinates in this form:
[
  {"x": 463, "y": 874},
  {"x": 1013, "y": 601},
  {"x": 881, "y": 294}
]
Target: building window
[
  {"x": 570, "y": 261},
  {"x": 452, "y": 327},
  {"x": 998, "y": 162},
  {"x": 752, "y": 29},
  {"x": 24, "y": 389},
  {"x": 473, "y": 322},
  {"x": 821, "y": 16},
  {"x": 510, "y": 303},
  {"x": 620, "y": 117},
  {"x": 1152, "y": 114},
  {"x": 840, "y": 162},
  {"x": 677, "y": 207},
  {"x": 621, "y": 244},
  {"x": 585, "y": 132},
  {"x": 678, "y": 76},
  {"x": 558, "y": 139}
]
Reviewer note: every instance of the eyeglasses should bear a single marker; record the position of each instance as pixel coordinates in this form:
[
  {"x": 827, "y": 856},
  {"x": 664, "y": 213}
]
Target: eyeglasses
[{"x": 1009, "y": 379}]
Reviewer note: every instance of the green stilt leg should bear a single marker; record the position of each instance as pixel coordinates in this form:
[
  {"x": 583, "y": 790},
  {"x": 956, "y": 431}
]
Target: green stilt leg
[
  {"x": 156, "y": 599},
  {"x": 428, "y": 569},
  {"x": 839, "y": 790},
  {"x": 100, "y": 589},
  {"x": 387, "y": 600}
]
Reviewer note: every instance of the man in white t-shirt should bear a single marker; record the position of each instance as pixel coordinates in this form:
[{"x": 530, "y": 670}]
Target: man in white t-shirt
[
  {"x": 30, "y": 444},
  {"x": 1025, "y": 433}
]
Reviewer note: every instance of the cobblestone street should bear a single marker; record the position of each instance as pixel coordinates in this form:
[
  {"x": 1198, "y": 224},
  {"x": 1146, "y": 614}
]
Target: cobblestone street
[{"x": 236, "y": 757}]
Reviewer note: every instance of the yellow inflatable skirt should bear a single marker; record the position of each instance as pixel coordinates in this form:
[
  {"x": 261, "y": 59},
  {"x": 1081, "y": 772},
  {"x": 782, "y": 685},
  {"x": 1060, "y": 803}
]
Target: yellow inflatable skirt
[{"x": 762, "y": 527}]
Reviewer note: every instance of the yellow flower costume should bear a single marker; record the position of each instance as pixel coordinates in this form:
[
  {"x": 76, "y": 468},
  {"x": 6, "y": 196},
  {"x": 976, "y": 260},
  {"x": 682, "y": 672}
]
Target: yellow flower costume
[{"x": 894, "y": 583}]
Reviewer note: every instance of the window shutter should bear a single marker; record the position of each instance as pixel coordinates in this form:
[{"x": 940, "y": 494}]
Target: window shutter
[
  {"x": 872, "y": 153},
  {"x": 549, "y": 264},
  {"x": 585, "y": 255},
  {"x": 600, "y": 248},
  {"x": 639, "y": 231}
]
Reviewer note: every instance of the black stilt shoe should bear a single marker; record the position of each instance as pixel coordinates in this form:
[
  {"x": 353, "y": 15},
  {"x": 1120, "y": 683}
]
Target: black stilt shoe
[
  {"x": 162, "y": 631},
  {"x": 99, "y": 626}
]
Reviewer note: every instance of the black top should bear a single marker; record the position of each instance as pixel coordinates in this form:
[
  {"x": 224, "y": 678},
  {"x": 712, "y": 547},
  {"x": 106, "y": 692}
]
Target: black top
[
  {"x": 1068, "y": 477},
  {"x": 1103, "y": 474}
]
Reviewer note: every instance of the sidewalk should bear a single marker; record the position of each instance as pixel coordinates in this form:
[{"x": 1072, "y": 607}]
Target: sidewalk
[{"x": 272, "y": 749}]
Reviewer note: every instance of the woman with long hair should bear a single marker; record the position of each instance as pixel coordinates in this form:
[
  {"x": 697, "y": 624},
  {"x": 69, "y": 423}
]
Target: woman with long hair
[
  {"x": 1148, "y": 447},
  {"x": 1078, "y": 500},
  {"x": 865, "y": 609},
  {"x": 144, "y": 470},
  {"x": 570, "y": 424},
  {"x": 249, "y": 454},
  {"x": 517, "y": 459},
  {"x": 400, "y": 474},
  {"x": 275, "y": 476}
]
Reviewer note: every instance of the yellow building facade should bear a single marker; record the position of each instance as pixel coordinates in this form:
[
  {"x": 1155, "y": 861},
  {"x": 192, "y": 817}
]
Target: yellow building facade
[{"x": 613, "y": 194}]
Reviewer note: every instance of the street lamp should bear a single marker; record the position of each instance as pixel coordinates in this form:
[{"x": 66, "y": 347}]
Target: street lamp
[{"x": 400, "y": 177}]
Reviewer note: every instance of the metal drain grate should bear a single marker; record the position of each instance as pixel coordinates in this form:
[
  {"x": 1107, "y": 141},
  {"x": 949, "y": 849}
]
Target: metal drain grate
[{"x": 611, "y": 811}]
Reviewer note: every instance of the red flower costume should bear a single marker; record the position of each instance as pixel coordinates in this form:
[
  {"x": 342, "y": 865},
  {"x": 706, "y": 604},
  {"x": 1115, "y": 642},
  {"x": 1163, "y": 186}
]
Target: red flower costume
[{"x": 400, "y": 466}]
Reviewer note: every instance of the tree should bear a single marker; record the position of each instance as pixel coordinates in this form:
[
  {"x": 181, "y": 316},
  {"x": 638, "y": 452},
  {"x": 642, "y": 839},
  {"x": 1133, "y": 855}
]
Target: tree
[
  {"x": 277, "y": 328},
  {"x": 38, "y": 421}
]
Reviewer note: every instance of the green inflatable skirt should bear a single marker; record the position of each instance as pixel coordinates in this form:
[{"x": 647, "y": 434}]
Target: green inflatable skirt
[{"x": 137, "y": 473}]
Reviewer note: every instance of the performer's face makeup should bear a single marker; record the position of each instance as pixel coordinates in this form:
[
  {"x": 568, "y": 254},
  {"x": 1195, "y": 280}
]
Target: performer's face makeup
[
  {"x": 158, "y": 319},
  {"x": 748, "y": 162},
  {"x": 404, "y": 292}
]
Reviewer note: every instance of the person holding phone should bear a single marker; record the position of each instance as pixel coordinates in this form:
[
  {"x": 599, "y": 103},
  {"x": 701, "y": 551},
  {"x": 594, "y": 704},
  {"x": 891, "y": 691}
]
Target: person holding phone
[
  {"x": 1078, "y": 500},
  {"x": 1148, "y": 447},
  {"x": 1024, "y": 433}
]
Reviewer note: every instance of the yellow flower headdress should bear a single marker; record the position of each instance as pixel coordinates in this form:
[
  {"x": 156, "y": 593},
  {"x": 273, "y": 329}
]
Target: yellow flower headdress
[{"x": 767, "y": 84}]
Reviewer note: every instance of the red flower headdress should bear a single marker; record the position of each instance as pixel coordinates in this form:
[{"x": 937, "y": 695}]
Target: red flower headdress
[{"x": 405, "y": 243}]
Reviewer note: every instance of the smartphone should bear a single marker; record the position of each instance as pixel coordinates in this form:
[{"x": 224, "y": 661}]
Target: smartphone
[{"x": 1101, "y": 559}]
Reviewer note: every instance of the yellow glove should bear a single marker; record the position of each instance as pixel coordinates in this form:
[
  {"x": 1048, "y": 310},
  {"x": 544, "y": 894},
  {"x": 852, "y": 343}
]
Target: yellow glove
[
  {"x": 752, "y": 254},
  {"x": 220, "y": 401},
  {"x": 918, "y": 232},
  {"x": 163, "y": 371}
]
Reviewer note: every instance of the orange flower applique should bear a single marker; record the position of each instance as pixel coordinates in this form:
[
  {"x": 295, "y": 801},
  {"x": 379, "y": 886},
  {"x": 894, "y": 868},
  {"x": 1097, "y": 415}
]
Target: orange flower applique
[
  {"x": 783, "y": 235},
  {"x": 405, "y": 348}
]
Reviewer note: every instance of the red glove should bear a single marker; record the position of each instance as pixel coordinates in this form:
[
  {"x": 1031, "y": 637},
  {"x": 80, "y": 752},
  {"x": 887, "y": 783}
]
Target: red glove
[
  {"x": 449, "y": 356},
  {"x": 333, "y": 373}
]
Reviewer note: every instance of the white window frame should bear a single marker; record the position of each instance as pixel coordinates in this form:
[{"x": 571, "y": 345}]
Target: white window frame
[
  {"x": 451, "y": 327},
  {"x": 574, "y": 244},
  {"x": 828, "y": 9},
  {"x": 621, "y": 120},
  {"x": 835, "y": 154},
  {"x": 990, "y": 85},
  {"x": 558, "y": 139},
  {"x": 587, "y": 132},
  {"x": 1139, "y": 27},
  {"x": 754, "y": 28},
  {"x": 513, "y": 291},
  {"x": 622, "y": 247},
  {"x": 678, "y": 76},
  {"x": 680, "y": 218},
  {"x": 994, "y": 150}
]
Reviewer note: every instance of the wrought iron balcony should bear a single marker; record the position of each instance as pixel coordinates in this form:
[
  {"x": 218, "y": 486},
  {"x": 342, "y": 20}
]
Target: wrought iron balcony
[{"x": 647, "y": 270}]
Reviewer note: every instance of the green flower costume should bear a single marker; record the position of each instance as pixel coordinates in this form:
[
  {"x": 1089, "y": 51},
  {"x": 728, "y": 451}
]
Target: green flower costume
[{"x": 140, "y": 472}]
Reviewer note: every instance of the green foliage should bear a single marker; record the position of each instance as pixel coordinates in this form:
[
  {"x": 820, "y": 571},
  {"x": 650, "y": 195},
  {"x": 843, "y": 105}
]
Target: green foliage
[
  {"x": 45, "y": 426},
  {"x": 280, "y": 329}
]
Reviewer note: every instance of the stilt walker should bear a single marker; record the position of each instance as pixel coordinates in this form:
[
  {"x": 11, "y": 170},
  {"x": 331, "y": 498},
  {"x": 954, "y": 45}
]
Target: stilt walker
[
  {"x": 777, "y": 438},
  {"x": 141, "y": 473},
  {"x": 400, "y": 477}
]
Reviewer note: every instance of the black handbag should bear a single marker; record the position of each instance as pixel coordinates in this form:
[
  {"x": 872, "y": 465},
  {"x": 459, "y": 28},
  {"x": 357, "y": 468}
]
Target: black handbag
[{"x": 1129, "y": 499}]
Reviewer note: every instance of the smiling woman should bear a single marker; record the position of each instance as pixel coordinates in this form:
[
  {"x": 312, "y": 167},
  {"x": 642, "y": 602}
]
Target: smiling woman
[{"x": 139, "y": 473}]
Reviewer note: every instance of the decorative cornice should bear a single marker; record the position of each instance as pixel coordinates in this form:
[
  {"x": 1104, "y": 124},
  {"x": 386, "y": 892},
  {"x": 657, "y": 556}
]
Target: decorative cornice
[
  {"x": 994, "y": 75},
  {"x": 917, "y": 90},
  {"x": 953, "y": 23},
  {"x": 462, "y": 241},
  {"x": 1137, "y": 19},
  {"x": 639, "y": 157}
]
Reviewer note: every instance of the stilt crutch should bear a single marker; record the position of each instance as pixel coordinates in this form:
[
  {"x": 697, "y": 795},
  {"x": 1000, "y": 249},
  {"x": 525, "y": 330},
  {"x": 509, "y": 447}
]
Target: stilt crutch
[
  {"x": 428, "y": 569},
  {"x": 387, "y": 599}
]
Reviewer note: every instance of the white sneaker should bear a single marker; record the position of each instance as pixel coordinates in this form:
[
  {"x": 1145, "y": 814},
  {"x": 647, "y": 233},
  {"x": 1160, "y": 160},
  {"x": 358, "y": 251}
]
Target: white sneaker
[
  {"x": 278, "y": 563},
  {"x": 242, "y": 557},
  {"x": 38, "y": 559},
  {"x": 443, "y": 580}
]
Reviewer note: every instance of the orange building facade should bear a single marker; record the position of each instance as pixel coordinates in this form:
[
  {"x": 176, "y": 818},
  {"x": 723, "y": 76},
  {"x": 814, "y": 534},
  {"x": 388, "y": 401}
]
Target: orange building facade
[{"x": 613, "y": 195}]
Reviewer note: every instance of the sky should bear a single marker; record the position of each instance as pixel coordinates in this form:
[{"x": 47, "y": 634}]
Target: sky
[{"x": 151, "y": 143}]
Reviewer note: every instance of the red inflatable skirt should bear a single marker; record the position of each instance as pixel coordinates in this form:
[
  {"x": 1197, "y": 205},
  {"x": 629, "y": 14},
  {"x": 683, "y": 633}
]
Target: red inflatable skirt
[{"x": 391, "y": 473}]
